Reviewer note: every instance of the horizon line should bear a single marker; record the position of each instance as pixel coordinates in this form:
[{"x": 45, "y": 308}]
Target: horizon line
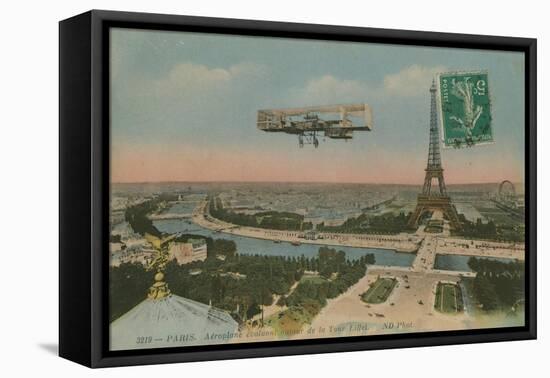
[{"x": 296, "y": 182}]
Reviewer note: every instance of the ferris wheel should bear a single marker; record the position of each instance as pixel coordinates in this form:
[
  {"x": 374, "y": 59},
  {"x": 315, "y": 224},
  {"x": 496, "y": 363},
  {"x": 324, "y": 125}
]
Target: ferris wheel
[{"x": 507, "y": 192}]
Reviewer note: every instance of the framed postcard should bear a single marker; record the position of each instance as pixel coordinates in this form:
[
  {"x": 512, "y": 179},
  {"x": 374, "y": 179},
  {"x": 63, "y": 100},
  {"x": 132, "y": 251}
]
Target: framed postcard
[{"x": 233, "y": 188}]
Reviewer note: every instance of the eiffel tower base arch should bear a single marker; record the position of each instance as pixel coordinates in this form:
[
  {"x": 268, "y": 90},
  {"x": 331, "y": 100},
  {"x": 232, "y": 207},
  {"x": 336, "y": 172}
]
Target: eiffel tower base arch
[{"x": 429, "y": 203}]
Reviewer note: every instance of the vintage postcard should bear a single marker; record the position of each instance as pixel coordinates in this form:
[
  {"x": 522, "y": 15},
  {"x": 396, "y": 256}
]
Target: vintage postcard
[{"x": 267, "y": 189}]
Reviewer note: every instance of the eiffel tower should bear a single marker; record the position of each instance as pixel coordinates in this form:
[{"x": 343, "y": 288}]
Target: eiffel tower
[{"x": 434, "y": 198}]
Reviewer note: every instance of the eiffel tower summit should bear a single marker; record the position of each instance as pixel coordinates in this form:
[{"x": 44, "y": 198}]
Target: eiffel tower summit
[{"x": 434, "y": 199}]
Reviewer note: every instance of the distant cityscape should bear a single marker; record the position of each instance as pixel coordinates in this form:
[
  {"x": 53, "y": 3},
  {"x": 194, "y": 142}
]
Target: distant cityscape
[{"x": 331, "y": 204}]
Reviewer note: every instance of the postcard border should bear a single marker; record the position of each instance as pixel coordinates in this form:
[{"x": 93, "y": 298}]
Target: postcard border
[{"x": 88, "y": 268}]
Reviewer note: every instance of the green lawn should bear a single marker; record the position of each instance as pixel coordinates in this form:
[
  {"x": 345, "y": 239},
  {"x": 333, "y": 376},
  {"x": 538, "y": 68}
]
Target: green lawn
[
  {"x": 313, "y": 279},
  {"x": 448, "y": 298},
  {"x": 379, "y": 291}
]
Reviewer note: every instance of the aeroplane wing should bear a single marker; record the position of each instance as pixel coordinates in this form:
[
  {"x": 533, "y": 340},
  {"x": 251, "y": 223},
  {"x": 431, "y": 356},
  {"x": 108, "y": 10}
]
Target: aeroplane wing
[{"x": 315, "y": 118}]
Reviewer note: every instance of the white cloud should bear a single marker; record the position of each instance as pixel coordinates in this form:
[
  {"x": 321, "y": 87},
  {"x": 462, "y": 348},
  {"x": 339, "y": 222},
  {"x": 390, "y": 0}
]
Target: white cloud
[
  {"x": 185, "y": 74},
  {"x": 411, "y": 81},
  {"x": 191, "y": 78},
  {"x": 248, "y": 69},
  {"x": 328, "y": 89}
]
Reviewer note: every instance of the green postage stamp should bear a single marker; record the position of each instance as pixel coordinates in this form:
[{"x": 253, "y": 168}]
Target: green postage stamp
[{"x": 465, "y": 108}]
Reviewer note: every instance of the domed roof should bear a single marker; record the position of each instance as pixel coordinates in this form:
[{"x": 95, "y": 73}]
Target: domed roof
[{"x": 171, "y": 321}]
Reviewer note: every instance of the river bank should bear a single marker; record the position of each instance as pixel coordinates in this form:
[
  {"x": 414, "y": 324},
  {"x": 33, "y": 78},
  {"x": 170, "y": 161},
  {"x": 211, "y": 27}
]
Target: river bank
[{"x": 403, "y": 243}]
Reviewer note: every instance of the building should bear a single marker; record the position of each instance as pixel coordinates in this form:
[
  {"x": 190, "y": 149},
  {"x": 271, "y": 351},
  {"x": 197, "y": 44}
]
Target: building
[
  {"x": 310, "y": 235},
  {"x": 135, "y": 254},
  {"x": 191, "y": 250},
  {"x": 167, "y": 320}
]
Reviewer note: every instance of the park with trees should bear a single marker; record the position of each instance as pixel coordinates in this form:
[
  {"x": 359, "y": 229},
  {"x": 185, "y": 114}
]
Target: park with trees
[
  {"x": 242, "y": 284},
  {"x": 275, "y": 220},
  {"x": 384, "y": 224},
  {"x": 490, "y": 230},
  {"x": 498, "y": 285}
]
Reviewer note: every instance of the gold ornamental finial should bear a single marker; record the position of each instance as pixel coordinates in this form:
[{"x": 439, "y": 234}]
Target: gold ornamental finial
[{"x": 159, "y": 289}]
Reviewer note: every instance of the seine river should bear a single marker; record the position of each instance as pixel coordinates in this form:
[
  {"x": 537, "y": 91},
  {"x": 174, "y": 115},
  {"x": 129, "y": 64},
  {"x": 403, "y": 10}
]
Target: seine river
[
  {"x": 460, "y": 262},
  {"x": 253, "y": 246}
]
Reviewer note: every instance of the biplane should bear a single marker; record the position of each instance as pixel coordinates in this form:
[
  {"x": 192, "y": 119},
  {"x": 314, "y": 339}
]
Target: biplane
[{"x": 333, "y": 121}]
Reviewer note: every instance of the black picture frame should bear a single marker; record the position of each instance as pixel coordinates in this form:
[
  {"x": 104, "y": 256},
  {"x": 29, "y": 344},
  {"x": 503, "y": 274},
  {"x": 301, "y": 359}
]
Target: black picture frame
[{"x": 84, "y": 186}]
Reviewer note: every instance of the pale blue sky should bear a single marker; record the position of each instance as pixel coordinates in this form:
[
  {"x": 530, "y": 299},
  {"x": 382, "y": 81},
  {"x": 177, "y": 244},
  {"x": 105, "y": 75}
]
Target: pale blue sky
[{"x": 174, "y": 91}]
